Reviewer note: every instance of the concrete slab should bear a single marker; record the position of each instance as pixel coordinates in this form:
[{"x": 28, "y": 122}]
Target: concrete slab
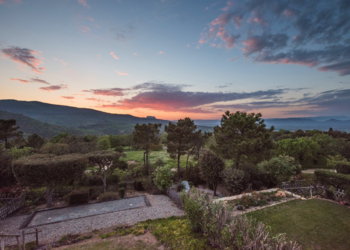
[{"x": 75, "y": 212}]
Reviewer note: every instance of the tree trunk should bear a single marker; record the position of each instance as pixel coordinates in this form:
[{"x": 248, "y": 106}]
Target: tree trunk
[
  {"x": 215, "y": 185},
  {"x": 144, "y": 160},
  {"x": 147, "y": 172},
  {"x": 49, "y": 191},
  {"x": 104, "y": 181},
  {"x": 6, "y": 144},
  {"x": 178, "y": 163},
  {"x": 188, "y": 156}
]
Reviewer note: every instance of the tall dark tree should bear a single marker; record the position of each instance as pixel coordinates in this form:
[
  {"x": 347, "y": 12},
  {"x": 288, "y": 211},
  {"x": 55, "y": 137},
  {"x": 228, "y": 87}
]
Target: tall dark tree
[
  {"x": 143, "y": 137},
  {"x": 196, "y": 143},
  {"x": 6, "y": 176},
  {"x": 35, "y": 141},
  {"x": 8, "y": 130},
  {"x": 242, "y": 135},
  {"x": 179, "y": 137},
  {"x": 211, "y": 167}
]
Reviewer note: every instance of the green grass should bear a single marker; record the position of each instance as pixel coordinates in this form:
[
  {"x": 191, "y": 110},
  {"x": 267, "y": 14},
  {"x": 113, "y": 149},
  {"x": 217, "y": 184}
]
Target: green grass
[
  {"x": 137, "y": 156},
  {"x": 315, "y": 224}
]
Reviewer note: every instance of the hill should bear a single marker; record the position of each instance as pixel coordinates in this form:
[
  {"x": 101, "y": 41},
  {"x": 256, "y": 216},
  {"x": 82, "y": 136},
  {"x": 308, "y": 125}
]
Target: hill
[
  {"x": 29, "y": 126},
  {"x": 77, "y": 120}
]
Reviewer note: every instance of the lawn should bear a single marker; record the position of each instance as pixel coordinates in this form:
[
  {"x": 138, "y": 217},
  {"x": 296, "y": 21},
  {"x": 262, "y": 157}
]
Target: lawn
[
  {"x": 137, "y": 156},
  {"x": 315, "y": 224}
]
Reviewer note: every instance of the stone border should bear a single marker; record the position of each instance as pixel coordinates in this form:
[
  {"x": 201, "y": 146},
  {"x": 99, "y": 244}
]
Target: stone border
[
  {"x": 25, "y": 224},
  {"x": 236, "y": 197}
]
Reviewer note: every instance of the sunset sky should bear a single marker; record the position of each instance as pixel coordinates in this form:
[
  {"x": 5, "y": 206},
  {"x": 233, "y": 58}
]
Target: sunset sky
[{"x": 178, "y": 58}]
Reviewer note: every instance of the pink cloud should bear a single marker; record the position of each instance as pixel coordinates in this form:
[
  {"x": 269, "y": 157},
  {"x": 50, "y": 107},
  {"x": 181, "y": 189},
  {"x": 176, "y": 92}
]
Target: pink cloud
[
  {"x": 91, "y": 19},
  {"x": 20, "y": 80},
  {"x": 54, "y": 88},
  {"x": 161, "y": 52},
  {"x": 24, "y": 56},
  {"x": 106, "y": 92},
  {"x": 68, "y": 97},
  {"x": 114, "y": 56},
  {"x": 84, "y": 29},
  {"x": 84, "y": 3},
  {"x": 122, "y": 73},
  {"x": 223, "y": 19},
  {"x": 230, "y": 40},
  {"x": 228, "y": 6}
]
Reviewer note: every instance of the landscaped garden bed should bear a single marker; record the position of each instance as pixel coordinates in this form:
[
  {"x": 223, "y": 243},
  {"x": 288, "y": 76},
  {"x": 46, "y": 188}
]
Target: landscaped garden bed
[{"x": 257, "y": 200}]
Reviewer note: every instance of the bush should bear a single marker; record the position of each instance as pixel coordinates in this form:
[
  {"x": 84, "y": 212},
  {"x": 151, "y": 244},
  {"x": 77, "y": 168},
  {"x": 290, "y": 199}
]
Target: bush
[
  {"x": 120, "y": 164},
  {"x": 78, "y": 197},
  {"x": 159, "y": 163},
  {"x": 339, "y": 181},
  {"x": 233, "y": 180},
  {"x": 191, "y": 175},
  {"x": 180, "y": 187},
  {"x": 108, "y": 196},
  {"x": 138, "y": 186},
  {"x": 123, "y": 185},
  {"x": 122, "y": 192},
  {"x": 119, "y": 149},
  {"x": 163, "y": 177},
  {"x": 281, "y": 168},
  {"x": 343, "y": 167},
  {"x": 156, "y": 147},
  {"x": 112, "y": 179}
]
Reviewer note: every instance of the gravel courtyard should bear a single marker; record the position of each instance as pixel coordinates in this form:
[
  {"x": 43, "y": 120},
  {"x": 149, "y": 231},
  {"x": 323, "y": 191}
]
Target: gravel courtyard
[{"x": 161, "y": 207}]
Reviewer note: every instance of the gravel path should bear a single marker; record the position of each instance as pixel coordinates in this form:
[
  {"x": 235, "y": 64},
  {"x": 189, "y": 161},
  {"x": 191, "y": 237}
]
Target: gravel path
[{"x": 161, "y": 207}]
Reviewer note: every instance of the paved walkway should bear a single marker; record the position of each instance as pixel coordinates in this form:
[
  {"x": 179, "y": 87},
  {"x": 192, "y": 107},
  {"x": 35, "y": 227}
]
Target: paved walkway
[
  {"x": 76, "y": 212},
  {"x": 161, "y": 207}
]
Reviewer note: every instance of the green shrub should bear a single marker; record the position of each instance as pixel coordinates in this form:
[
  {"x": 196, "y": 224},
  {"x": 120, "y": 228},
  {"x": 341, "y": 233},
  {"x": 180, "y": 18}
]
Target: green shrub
[
  {"x": 108, "y": 196},
  {"x": 233, "y": 180},
  {"x": 112, "y": 179},
  {"x": 107, "y": 235},
  {"x": 123, "y": 185},
  {"x": 121, "y": 192},
  {"x": 180, "y": 187},
  {"x": 119, "y": 149},
  {"x": 194, "y": 210},
  {"x": 339, "y": 181},
  {"x": 191, "y": 175},
  {"x": 78, "y": 197},
  {"x": 281, "y": 168},
  {"x": 138, "y": 186},
  {"x": 120, "y": 164},
  {"x": 343, "y": 167},
  {"x": 163, "y": 177}
]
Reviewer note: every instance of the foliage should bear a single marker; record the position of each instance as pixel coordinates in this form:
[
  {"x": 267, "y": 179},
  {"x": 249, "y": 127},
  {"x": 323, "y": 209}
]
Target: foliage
[
  {"x": 163, "y": 177},
  {"x": 55, "y": 148},
  {"x": 103, "y": 144},
  {"x": 49, "y": 170},
  {"x": 8, "y": 130},
  {"x": 104, "y": 160},
  {"x": 119, "y": 149},
  {"x": 121, "y": 192},
  {"x": 114, "y": 141},
  {"x": 343, "y": 167},
  {"x": 138, "y": 186},
  {"x": 144, "y": 136},
  {"x": 59, "y": 137},
  {"x": 304, "y": 150},
  {"x": 6, "y": 176},
  {"x": 339, "y": 181},
  {"x": 223, "y": 230},
  {"x": 180, "y": 187},
  {"x": 17, "y": 153},
  {"x": 242, "y": 136},
  {"x": 71, "y": 239},
  {"x": 78, "y": 197},
  {"x": 191, "y": 175},
  {"x": 281, "y": 168},
  {"x": 120, "y": 164},
  {"x": 35, "y": 141},
  {"x": 108, "y": 196},
  {"x": 179, "y": 137},
  {"x": 233, "y": 180},
  {"x": 211, "y": 168}
]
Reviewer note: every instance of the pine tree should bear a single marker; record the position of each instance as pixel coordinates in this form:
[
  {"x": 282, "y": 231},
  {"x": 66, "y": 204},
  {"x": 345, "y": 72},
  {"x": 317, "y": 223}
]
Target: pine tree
[{"x": 8, "y": 130}]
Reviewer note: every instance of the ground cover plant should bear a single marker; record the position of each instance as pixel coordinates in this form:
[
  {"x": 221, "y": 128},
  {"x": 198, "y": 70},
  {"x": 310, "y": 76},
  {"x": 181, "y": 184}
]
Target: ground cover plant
[{"x": 315, "y": 224}]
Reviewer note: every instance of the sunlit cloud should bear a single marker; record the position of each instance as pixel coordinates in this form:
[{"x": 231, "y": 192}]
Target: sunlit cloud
[
  {"x": 54, "y": 88},
  {"x": 68, "y": 97},
  {"x": 25, "y": 57},
  {"x": 84, "y": 29},
  {"x": 84, "y": 3},
  {"x": 20, "y": 80},
  {"x": 114, "y": 56},
  {"x": 122, "y": 73},
  {"x": 161, "y": 52}
]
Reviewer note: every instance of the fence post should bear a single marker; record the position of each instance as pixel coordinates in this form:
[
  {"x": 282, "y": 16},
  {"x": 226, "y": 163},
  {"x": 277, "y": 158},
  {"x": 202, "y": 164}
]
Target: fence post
[
  {"x": 36, "y": 237},
  {"x": 18, "y": 243},
  {"x": 24, "y": 240},
  {"x": 311, "y": 192},
  {"x": 2, "y": 243}
]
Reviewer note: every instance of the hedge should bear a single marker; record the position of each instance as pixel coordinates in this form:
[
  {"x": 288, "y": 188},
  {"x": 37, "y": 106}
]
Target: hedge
[
  {"x": 343, "y": 167},
  {"x": 339, "y": 181},
  {"x": 78, "y": 197}
]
